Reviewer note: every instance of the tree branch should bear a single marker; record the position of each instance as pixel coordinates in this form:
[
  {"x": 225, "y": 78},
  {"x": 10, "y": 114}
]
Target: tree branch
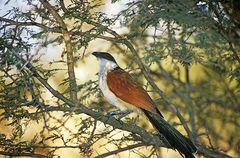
[
  {"x": 22, "y": 154},
  {"x": 22, "y": 23},
  {"x": 234, "y": 51},
  {"x": 130, "y": 147},
  {"x": 69, "y": 49}
]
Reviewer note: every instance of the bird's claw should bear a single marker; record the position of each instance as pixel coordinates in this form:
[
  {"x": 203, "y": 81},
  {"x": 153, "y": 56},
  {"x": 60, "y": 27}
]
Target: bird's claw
[
  {"x": 112, "y": 113},
  {"x": 121, "y": 113}
]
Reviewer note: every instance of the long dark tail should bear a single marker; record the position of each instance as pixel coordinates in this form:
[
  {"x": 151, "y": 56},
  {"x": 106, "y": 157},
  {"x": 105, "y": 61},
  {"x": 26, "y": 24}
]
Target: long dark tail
[{"x": 174, "y": 137}]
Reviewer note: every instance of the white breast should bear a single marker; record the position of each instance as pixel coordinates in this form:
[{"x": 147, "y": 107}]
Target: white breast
[{"x": 110, "y": 97}]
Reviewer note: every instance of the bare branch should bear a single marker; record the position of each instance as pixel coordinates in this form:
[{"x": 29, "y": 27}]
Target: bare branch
[
  {"x": 22, "y": 154},
  {"x": 22, "y": 23},
  {"x": 130, "y": 147},
  {"x": 69, "y": 49}
]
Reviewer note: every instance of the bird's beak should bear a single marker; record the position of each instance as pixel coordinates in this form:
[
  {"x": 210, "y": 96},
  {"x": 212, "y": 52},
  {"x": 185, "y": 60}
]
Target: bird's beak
[{"x": 96, "y": 54}]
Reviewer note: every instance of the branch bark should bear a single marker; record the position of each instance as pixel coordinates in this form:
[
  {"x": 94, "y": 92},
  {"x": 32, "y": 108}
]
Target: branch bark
[
  {"x": 69, "y": 49},
  {"x": 130, "y": 147},
  {"x": 22, "y": 154}
]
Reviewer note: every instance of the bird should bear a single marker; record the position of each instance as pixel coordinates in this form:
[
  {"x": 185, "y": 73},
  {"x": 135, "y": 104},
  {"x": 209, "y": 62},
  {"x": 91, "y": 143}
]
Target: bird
[{"x": 122, "y": 91}]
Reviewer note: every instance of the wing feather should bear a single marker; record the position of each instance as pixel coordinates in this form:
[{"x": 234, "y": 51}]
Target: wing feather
[{"x": 128, "y": 90}]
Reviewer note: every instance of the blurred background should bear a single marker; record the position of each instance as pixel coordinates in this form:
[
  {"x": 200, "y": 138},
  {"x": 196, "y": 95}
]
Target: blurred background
[{"x": 185, "y": 53}]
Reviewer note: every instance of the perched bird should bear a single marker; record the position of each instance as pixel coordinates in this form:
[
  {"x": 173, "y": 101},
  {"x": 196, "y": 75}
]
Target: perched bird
[{"x": 120, "y": 90}]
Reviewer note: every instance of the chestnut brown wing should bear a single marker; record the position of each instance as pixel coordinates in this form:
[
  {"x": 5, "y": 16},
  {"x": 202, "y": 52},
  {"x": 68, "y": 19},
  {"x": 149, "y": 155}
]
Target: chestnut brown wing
[{"x": 128, "y": 90}]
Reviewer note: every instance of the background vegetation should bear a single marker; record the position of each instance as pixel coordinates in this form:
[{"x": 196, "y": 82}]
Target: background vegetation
[{"x": 185, "y": 53}]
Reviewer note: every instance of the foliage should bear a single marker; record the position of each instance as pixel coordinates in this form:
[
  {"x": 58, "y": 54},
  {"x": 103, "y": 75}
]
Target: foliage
[{"x": 188, "y": 52}]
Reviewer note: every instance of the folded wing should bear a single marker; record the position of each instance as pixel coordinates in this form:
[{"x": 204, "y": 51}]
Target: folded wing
[{"x": 128, "y": 90}]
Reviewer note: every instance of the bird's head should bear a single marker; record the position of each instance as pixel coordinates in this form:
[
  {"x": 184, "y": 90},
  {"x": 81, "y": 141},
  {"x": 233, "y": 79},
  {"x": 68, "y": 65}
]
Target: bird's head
[{"x": 106, "y": 60}]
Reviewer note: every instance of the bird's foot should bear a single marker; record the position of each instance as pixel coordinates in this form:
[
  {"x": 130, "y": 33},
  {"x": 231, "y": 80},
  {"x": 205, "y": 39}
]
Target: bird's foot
[
  {"x": 124, "y": 113},
  {"x": 115, "y": 112},
  {"x": 121, "y": 113}
]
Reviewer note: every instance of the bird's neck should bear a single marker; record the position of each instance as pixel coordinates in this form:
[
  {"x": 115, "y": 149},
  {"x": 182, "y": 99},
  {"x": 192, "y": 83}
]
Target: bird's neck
[{"x": 106, "y": 66}]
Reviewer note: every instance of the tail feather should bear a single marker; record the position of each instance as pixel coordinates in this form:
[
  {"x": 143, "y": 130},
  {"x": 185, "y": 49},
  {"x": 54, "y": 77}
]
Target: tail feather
[{"x": 174, "y": 137}]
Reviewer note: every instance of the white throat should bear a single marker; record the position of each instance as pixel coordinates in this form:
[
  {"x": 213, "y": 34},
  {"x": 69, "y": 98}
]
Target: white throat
[{"x": 105, "y": 66}]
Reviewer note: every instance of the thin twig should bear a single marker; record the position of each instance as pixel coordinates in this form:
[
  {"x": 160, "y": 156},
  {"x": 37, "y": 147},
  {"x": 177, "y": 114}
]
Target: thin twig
[
  {"x": 22, "y": 154},
  {"x": 129, "y": 147}
]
